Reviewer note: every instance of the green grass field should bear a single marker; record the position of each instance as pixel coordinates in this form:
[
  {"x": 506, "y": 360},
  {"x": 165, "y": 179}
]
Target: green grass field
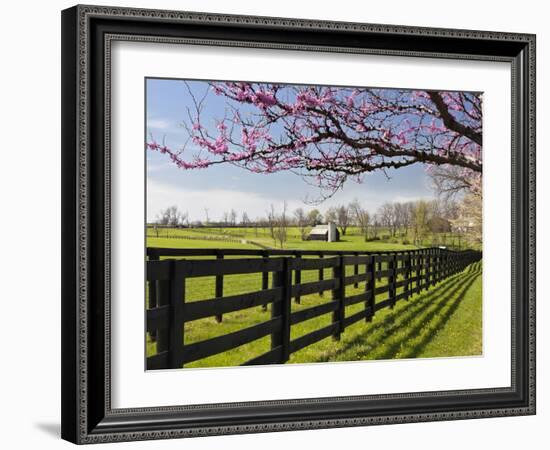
[
  {"x": 241, "y": 237},
  {"x": 443, "y": 321}
]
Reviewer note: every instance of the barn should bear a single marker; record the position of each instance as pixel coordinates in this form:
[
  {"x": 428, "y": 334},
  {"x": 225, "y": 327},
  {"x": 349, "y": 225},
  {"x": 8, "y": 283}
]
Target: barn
[{"x": 328, "y": 233}]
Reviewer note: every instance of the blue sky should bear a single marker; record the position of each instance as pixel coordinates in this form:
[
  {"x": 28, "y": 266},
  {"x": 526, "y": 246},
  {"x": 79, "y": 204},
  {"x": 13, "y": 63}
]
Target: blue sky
[{"x": 225, "y": 187}]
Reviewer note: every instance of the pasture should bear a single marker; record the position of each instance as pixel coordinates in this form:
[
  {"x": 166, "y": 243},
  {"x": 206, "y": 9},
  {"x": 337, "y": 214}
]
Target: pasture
[
  {"x": 260, "y": 237},
  {"x": 445, "y": 320}
]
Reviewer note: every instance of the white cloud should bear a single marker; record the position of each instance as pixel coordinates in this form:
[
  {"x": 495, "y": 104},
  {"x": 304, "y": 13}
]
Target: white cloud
[
  {"x": 410, "y": 198},
  {"x": 158, "y": 124},
  {"x": 160, "y": 196},
  {"x": 217, "y": 200}
]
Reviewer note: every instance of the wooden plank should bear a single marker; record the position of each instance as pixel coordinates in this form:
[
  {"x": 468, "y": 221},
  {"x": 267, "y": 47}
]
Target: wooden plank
[
  {"x": 311, "y": 338},
  {"x": 401, "y": 283},
  {"x": 321, "y": 273},
  {"x": 392, "y": 279},
  {"x": 177, "y": 304},
  {"x": 203, "y": 268},
  {"x": 158, "y": 270},
  {"x": 353, "y": 279},
  {"x": 163, "y": 299},
  {"x": 358, "y": 259},
  {"x": 158, "y": 361},
  {"x": 219, "y": 288},
  {"x": 157, "y": 318},
  {"x": 152, "y": 292},
  {"x": 211, "y": 307},
  {"x": 359, "y": 315},
  {"x": 314, "y": 287},
  {"x": 354, "y": 299},
  {"x": 265, "y": 280},
  {"x": 383, "y": 273},
  {"x": 297, "y": 274},
  {"x": 271, "y": 357},
  {"x": 179, "y": 252},
  {"x": 280, "y": 337},
  {"x": 314, "y": 311},
  {"x": 220, "y": 344},
  {"x": 370, "y": 287},
  {"x": 355, "y": 273},
  {"x": 383, "y": 304},
  {"x": 381, "y": 289},
  {"x": 339, "y": 294},
  {"x": 313, "y": 264},
  {"x": 408, "y": 274},
  {"x": 401, "y": 296}
]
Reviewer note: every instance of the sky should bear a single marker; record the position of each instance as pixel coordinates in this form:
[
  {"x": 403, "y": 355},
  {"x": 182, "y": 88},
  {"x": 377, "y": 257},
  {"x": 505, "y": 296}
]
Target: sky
[{"x": 224, "y": 187}]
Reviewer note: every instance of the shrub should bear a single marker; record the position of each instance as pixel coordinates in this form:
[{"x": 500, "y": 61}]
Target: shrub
[
  {"x": 405, "y": 242},
  {"x": 373, "y": 238}
]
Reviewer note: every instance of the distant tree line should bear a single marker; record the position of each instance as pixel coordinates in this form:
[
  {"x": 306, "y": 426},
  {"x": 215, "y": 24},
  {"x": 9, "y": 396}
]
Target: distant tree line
[{"x": 413, "y": 222}]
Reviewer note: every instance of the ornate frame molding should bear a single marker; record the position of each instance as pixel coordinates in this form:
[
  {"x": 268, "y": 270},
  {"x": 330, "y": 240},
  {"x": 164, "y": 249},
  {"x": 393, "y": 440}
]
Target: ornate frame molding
[{"x": 87, "y": 422}]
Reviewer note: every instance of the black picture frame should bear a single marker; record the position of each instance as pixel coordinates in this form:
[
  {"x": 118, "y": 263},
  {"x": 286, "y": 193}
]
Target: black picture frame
[{"x": 87, "y": 416}]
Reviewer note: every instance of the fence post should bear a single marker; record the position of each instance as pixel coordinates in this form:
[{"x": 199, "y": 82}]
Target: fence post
[
  {"x": 408, "y": 276},
  {"x": 177, "y": 306},
  {"x": 418, "y": 263},
  {"x": 153, "y": 256},
  {"x": 219, "y": 287},
  {"x": 164, "y": 298},
  {"x": 435, "y": 277},
  {"x": 281, "y": 337},
  {"x": 356, "y": 271},
  {"x": 265, "y": 280},
  {"x": 392, "y": 266},
  {"x": 339, "y": 293},
  {"x": 298, "y": 275},
  {"x": 428, "y": 268},
  {"x": 370, "y": 287},
  {"x": 321, "y": 274}
]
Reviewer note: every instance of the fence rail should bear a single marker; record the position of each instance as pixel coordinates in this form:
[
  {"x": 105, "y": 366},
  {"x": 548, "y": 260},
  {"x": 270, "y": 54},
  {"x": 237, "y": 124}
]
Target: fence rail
[{"x": 411, "y": 271}]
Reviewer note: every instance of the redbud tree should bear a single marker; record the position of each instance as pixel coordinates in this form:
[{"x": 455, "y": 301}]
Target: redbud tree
[{"x": 333, "y": 134}]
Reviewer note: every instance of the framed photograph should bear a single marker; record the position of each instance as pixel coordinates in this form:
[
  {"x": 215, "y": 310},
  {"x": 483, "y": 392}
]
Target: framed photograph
[{"x": 281, "y": 224}]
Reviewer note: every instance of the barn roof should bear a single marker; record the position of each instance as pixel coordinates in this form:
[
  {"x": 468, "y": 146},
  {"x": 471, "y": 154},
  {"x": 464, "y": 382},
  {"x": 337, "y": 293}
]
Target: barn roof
[{"x": 319, "y": 229}]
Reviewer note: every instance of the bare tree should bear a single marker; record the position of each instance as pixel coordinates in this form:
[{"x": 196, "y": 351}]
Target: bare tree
[
  {"x": 271, "y": 218},
  {"x": 343, "y": 218},
  {"x": 400, "y": 212},
  {"x": 409, "y": 216},
  {"x": 301, "y": 222},
  {"x": 281, "y": 226},
  {"x": 233, "y": 217},
  {"x": 387, "y": 217},
  {"x": 451, "y": 180},
  {"x": 245, "y": 221},
  {"x": 172, "y": 217},
  {"x": 331, "y": 214},
  {"x": 360, "y": 216}
]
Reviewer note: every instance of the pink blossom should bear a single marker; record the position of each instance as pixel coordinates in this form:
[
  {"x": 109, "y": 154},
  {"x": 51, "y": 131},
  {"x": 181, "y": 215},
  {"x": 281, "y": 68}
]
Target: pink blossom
[{"x": 265, "y": 99}]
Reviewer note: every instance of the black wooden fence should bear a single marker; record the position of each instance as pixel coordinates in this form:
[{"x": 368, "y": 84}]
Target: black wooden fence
[{"x": 168, "y": 311}]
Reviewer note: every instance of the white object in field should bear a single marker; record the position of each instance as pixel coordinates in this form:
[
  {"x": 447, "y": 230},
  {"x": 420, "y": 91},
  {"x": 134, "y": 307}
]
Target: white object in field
[{"x": 332, "y": 237}]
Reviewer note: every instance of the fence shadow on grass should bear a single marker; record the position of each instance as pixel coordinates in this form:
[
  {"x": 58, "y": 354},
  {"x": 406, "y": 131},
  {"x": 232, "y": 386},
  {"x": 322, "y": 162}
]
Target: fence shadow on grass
[{"x": 427, "y": 309}]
